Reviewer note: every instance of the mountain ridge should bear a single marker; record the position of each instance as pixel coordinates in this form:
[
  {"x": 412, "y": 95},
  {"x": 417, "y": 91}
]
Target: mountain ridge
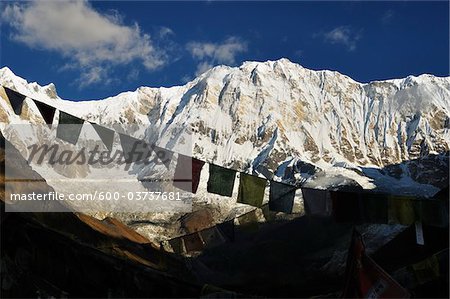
[
  {"x": 279, "y": 116},
  {"x": 6, "y": 72}
]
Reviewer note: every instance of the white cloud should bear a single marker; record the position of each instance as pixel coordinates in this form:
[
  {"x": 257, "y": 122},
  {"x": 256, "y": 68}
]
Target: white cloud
[
  {"x": 387, "y": 17},
  {"x": 165, "y": 31},
  {"x": 186, "y": 78},
  {"x": 203, "y": 67},
  {"x": 133, "y": 75},
  {"x": 93, "y": 75},
  {"x": 343, "y": 35},
  {"x": 212, "y": 53},
  {"x": 91, "y": 41}
]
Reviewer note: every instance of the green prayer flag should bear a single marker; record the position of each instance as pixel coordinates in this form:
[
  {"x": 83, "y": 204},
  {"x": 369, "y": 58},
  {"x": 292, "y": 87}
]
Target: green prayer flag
[
  {"x": 251, "y": 190},
  {"x": 221, "y": 180},
  {"x": 401, "y": 210},
  {"x": 427, "y": 270},
  {"x": 69, "y": 127}
]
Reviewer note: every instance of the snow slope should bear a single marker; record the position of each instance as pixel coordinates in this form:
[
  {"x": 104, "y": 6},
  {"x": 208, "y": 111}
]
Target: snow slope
[{"x": 317, "y": 127}]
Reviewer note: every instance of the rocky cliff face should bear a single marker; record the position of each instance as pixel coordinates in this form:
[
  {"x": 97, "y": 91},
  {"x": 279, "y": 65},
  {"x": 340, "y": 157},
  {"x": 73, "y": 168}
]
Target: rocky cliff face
[{"x": 318, "y": 127}]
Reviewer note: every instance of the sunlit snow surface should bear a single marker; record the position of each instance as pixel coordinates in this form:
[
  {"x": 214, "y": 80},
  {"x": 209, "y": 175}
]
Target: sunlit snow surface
[{"x": 319, "y": 128}]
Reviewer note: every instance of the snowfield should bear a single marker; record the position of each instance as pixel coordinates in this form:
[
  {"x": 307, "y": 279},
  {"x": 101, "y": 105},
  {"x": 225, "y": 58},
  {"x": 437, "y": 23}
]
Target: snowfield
[{"x": 318, "y": 128}]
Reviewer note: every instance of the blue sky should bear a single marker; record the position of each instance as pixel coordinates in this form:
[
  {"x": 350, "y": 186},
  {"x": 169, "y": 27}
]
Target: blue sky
[{"x": 92, "y": 50}]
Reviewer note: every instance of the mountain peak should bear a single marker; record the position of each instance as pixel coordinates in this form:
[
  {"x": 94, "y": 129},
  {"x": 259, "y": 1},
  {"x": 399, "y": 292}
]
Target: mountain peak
[
  {"x": 282, "y": 116},
  {"x": 4, "y": 71},
  {"x": 269, "y": 63},
  {"x": 9, "y": 79},
  {"x": 6, "y": 74}
]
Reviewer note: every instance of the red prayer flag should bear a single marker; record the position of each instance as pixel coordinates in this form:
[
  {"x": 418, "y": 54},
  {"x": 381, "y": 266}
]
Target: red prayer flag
[{"x": 365, "y": 279}]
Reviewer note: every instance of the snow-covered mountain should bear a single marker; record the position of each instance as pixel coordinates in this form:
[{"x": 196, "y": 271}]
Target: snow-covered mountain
[{"x": 318, "y": 127}]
